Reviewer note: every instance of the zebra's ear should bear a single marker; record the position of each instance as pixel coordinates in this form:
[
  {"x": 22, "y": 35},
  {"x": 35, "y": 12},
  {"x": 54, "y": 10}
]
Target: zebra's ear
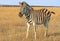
[
  {"x": 53, "y": 12},
  {"x": 23, "y": 3}
]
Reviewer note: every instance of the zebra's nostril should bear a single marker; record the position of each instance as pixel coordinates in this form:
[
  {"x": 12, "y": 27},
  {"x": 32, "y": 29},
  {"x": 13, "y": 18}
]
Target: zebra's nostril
[{"x": 20, "y": 14}]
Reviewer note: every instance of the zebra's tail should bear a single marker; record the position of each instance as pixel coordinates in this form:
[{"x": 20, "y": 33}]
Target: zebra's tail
[{"x": 53, "y": 12}]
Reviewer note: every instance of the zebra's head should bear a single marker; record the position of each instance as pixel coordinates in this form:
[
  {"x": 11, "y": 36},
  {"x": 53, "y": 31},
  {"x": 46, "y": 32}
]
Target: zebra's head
[{"x": 25, "y": 9}]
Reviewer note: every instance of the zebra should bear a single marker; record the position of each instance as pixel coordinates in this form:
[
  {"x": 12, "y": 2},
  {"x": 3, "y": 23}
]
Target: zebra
[{"x": 35, "y": 17}]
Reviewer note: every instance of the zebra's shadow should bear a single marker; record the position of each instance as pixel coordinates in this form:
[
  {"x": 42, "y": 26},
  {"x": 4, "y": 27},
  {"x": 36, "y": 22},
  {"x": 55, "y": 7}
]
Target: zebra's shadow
[{"x": 54, "y": 34}]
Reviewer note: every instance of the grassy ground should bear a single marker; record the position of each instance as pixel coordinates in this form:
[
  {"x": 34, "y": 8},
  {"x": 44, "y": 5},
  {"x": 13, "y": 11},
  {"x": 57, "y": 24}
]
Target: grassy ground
[{"x": 13, "y": 28}]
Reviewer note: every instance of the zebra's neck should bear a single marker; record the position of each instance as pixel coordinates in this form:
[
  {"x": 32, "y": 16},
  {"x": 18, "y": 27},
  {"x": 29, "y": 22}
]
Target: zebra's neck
[{"x": 28, "y": 17}]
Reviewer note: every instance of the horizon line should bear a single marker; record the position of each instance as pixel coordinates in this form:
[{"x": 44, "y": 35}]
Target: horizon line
[{"x": 30, "y": 5}]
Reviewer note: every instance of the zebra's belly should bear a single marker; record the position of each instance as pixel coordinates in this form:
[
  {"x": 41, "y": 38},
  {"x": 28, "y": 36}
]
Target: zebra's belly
[{"x": 39, "y": 20}]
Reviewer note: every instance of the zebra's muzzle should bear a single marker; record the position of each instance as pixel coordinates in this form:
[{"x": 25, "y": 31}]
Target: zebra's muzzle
[{"x": 20, "y": 14}]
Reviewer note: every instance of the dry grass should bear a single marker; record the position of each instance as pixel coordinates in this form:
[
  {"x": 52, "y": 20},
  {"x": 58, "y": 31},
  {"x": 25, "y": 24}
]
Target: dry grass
[{"x": 13, "y": 28}]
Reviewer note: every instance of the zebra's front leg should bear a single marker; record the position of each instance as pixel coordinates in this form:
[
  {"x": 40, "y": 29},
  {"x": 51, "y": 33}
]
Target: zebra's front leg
[
  {"x": 34, "y": 30},
  {"x": 28, "y": 25}
]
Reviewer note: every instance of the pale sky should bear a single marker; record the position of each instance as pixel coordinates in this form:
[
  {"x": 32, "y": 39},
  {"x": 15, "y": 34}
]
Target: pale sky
[{"x": 32, "y": 2}]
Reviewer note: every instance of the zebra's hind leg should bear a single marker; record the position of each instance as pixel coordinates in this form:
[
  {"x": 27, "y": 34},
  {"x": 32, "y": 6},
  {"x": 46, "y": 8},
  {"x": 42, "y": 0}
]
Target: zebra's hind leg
[
  {"x": 46, "y": 31},
  {"x": 28, "y": 25},
  {"x": 46, "y": 28}
]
